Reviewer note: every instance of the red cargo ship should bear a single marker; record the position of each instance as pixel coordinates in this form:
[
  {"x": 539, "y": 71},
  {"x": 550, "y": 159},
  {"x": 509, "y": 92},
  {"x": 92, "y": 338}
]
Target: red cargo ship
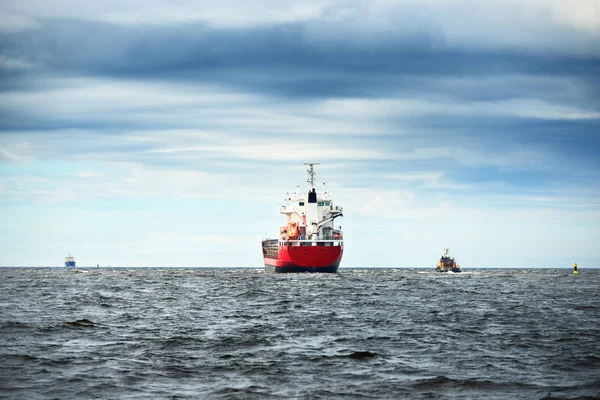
[{"x": 309, "y": 241}]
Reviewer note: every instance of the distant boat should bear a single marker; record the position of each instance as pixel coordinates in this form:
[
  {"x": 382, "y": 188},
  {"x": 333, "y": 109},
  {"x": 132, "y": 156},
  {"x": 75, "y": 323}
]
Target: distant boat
[
  {"x": 447, "y": 264},
  {"x": 70, "y": 261}
]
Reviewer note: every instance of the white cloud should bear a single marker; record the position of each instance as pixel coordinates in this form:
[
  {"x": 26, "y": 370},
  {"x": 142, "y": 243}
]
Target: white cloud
[
  {"x": 414, "y": 176},
  {"x": 121, "y": 101},
  {"x": 14, "y": 63},
  {"x": 410, "y": 205},
  {"x": 225, "y": 13},
  {"x": 133, "y": 181},
  {"x": 584, "y": 15},
  {"x": 11, "y": 22},
  {"x": 374, "y": 109},
  {"x": 87, "y": 174},
  {"x": 10, "y": 156},
  {"x": 277, "y": 150},
  {"x": 536, "y": 25},
  {"x": 74, "y": 96}
]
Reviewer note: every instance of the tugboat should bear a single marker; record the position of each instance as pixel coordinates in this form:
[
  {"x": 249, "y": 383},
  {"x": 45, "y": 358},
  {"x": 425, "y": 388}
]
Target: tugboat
[
  {"x": 447, "y": 264},
  {"x": 309, "y": 241},
  {"x": 70, "y": 261}
]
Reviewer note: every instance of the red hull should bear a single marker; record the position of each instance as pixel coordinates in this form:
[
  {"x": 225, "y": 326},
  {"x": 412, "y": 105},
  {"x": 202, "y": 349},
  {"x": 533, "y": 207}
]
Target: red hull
[{"x": 305, "y": 259}]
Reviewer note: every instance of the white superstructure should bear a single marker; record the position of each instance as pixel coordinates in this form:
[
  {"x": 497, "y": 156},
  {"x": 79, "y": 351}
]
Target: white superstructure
[
  {"x": 310, "y": 215},
  {"x": 69, "y": 261}
]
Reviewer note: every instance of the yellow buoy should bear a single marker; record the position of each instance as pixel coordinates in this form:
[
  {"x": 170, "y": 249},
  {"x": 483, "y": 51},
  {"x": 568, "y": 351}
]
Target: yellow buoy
[{"x": 575, "y": 268}]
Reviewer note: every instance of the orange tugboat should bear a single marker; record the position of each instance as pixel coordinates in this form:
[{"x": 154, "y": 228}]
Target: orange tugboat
[
  {"x": 447, "y": 264},
  {"x": 309, "y": 241}
]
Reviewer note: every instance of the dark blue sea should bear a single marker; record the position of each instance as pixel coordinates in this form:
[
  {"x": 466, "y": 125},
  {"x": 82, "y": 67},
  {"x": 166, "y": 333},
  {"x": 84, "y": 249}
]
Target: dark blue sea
[{"x": 152, "y": 333}]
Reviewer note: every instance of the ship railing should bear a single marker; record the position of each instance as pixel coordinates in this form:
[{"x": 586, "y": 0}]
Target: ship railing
[{"x": 321, "y": 242}]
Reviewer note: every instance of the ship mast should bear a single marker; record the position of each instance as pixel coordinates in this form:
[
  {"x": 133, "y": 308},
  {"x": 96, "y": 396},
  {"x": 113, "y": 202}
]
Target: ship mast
[{"x": 311, "y": 174}]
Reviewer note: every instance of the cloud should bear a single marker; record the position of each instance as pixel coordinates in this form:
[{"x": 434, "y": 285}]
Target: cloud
[
  {"x": 454, "y": 208},
  {"x": 528, "y": 108},
  {"x": 13, "y": 64},
  {"x": 130, "y": 181},
  {"x": 227, "y": 13},
  {"x": 447, "y": 36},
  {"x": 363, "y": 16},
  {"x": 7, "y": 156},
  {"x": 87, "y": 174},
  {"x": 583, "y": 15}
]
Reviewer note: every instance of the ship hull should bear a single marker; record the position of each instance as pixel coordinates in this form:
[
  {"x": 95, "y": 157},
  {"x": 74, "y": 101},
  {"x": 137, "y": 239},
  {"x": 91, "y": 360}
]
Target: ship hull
[
  {"x": 330, "y": 269},
  {"x": 314, "y": 259},
  {"x": 453, "y": 270},
  {"x": 448, "y": 264},
  {"x": 70, "y": 264}
]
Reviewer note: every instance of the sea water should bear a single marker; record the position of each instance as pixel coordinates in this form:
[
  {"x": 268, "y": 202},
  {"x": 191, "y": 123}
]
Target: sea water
[{"x": 243, "y": 333}]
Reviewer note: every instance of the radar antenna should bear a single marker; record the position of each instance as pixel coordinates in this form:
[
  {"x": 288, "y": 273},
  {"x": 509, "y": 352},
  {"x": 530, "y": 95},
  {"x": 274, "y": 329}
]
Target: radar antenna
[{"x": 311, "y": 174}]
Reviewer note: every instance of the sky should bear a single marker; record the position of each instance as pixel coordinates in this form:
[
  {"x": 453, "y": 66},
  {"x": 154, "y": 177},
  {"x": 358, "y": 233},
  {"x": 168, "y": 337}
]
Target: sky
[{"x": 167, "y": 133}]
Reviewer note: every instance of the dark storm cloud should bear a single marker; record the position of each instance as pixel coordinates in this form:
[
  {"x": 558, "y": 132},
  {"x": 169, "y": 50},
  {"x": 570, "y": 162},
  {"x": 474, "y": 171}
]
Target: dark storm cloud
[
  {"x": 291, "y": 63},
  {"x": 284, "y": 61}
]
